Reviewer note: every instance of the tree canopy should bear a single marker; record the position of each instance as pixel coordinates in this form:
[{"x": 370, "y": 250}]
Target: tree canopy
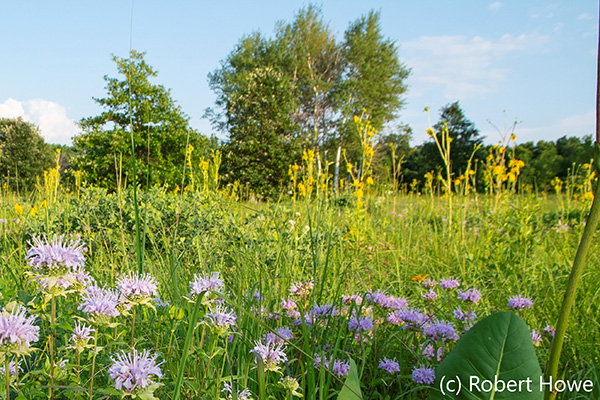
[{"x": 160, "y": 130}]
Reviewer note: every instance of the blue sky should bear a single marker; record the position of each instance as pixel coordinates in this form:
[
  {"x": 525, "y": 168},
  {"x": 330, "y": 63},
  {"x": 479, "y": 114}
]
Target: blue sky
[{"x": 531, "y": 61}]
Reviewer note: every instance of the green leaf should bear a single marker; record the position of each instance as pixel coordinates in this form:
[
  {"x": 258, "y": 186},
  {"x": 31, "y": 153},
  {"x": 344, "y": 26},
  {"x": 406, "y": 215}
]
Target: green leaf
[
  {"x": 351, "y": 388},
  {"x": 497, "y": 349}
]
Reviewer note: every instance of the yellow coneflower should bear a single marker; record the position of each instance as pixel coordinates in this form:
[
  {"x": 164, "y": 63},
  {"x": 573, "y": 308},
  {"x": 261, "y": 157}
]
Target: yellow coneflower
[{"x": 18, "y": 209}]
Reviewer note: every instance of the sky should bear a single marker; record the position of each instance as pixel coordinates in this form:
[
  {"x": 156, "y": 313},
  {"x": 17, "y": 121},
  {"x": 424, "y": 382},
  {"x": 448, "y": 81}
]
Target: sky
[{"x": 533, "y": 62}]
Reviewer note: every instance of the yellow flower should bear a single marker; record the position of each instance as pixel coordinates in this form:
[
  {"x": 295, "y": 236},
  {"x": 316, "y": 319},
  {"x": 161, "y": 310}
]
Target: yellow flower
[
  {"x": 370, "y": 181},
  {"x": 513, "y": 137},
  {"x": 18, "y": 209},
  {"x": 176, "y": 190},
  {"x": 359, "y": 193},
  {"x": 44, "y": 204},
  {"x": 33, "y": 210},
  {"x": 419, "y": 278},
  {"x": 302, "y": 189}
]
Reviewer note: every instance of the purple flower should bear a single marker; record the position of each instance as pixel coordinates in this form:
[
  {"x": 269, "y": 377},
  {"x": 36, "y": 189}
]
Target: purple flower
[
  {"x": 55, "y": 257},
  {"x": 243, "y": 395},
  {"x": 412, "y": 318},
  {"x": 519, "y": 303},
  {"x": 429, "y": 352},
  {"x": 326, "y": 310},
  {"x": 450, "y": 283},
  {"x": 468, "y": 316},
  {"x": 423, "y": 375},
  {"x": 430, "y": 296},
  {"x": 472, "y": 295},
  {"x": 429, "y": 283},
  {"x": 283, "y": 333},
  {"x": 12, "y": 368},
  {"x": 100, "y": 304},
  {"x": 389, "y": 366},
  {"x": 206, "y": 283},
  {"x": 360, "y": 324},
  {"x": 133, "y": 373},
  {"x": 440, "y": 330},
  {"x": 302, "y": 288},
  {"x": 549, "y": 330},
  {"x": 536, "y": 338},
  {"x": 221, "y": 320},
  {"x": 377, "y": 297},
  {"x": 17, "y": 331},
  {"x": 352, "y": 299},
  {"x": 270, "y": 354},
  {"x": 340, "y": 368},
  {"x": 135, "y": 287},
  {"x": 288, "y": 304},
  {"x": 81, "y": 335},
  {"x": 392, "y": 302}
]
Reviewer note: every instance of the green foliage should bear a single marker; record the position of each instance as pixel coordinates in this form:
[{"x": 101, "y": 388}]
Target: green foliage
[
  {"x": 351, "y": 388},
  {"x": 24, "y": 154},
  {"x": 160, "y": 130},
  {"x": 497, "y": 348},
  {"x": 318, "y": 85}
]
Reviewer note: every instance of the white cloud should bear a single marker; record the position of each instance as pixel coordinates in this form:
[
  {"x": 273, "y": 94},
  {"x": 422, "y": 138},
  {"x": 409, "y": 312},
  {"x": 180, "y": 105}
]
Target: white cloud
[
  {"x": 575, "y": 125},
  {"x": 585, "y": 16},
  {"x": 495, "y": 5},
  {"x": 463, "y": 67},
  {"x": 51, "y": 118}
]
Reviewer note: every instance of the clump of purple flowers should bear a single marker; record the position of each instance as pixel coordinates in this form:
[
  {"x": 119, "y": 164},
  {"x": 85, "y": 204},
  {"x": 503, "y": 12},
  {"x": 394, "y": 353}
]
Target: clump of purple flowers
[
  {"x": 282, "y": 334},
  {"x": 302, "y": 288},
  {"x": 133, "y": 372},
  {"x": 358, "y": 323},
  {"x": 536, "y": 338},
  {"x": 220, "y": 320},
  {"x": 100, "y": 304},
  {"x": 338, "y": 367},
  {"x": 17, "y": 331},
  {"x": 430, "y": 296},
  {"x": 389, "y": 366},
  {"x": 519, "y": 303},
  {"x": 137, "y": 288},
  {"x": 449, "y": 283},
  {"x": 243, "y": 395},
  {"x": 423, "y": 375},
  {"x": 271, "y": 355},
  {"x": 440, "y": 330},
  {"x": 81, "y": 335},
  {"x": 470, "y": 295},
  {"x": 206, "y": 283}
]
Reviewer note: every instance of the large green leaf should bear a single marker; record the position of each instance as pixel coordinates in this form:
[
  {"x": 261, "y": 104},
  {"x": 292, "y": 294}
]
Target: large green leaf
[
  {"x": 497, "y": 349},
  {"x": 351, "y": 389}
]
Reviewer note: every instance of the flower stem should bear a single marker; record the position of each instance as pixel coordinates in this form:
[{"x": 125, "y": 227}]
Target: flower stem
[
  {"x": 7, "y": 374},
  {"x": 52, "y": 339},
  {"x": 94, "y": 363}
]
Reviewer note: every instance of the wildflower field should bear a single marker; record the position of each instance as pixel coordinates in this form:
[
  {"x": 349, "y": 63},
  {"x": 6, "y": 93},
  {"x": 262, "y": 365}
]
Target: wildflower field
[{"x": 210, "y": 297}]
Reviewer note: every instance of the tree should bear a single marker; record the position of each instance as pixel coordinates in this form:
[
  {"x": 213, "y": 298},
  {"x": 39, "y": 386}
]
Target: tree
[
  {"x": 160, "y": 130},
  {"x": 464, "y": 138},
  {"x": 24, "y": 153}
]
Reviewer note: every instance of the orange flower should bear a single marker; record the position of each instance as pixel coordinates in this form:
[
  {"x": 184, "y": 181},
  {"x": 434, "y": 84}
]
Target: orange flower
[{"x": 419, "y": 278}]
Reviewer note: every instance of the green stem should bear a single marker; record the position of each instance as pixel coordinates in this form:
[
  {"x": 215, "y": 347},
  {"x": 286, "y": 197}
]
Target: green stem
[
  {"x": 569, "y": 299},
  {"x": 132, "y": 330},
  {"x": 94, "y": 362},
  {"x": 52, "y": 339},
  {"x": 7, "y": 374}
]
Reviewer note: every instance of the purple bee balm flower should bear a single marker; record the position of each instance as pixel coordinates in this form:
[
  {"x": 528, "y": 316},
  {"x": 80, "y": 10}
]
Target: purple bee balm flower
[
  {"x": 450, "y": 283},
  {"x": 326, "y": 310},
  {"x": 429, "y": 352},
  {"x": 536, "y": 338},
  {"x": 81, "y": 334},
  {"x": 429, "y": 283},
  {"x": 519, "y": 303},
  {"x": 282, "y": 334},
  {"x": 352, "y": 299},
  {"x": 410, "y": 317},
  {"x": 100, "y": 304},
  {"x": 389, "y": 366},
  {"x": 423, "y": 375},
  {"x": 220, "y": 319},
  {"x": 136, "y": 287},
  {"x": 397, "y": 303},
  {"x": 470, "y": 295},
  {"x": 440, "y": 330},
  {"x": 340, "y": 368},
  {"x": 302, "y": 288},
  {"x": 288, "y": 304},
  {"x": 468, "y": 316},
  {"x": 549, "y": 330},
  {"x": 319, "y": 361},
  {"x": 12, "y": 368},
  {"x": 377, "y": 297},
  {"x": 133, "y": 372},
  {"x": 55, "y": 257},
  {"x": 430, "y": 296},
  {"x": 360, "y": 324},
  {"x": 243, "y": 395},
  {"x": 17, "y": 331},
  {"x": 270, "y": 354},
  {"x": 206, "y": 283}
]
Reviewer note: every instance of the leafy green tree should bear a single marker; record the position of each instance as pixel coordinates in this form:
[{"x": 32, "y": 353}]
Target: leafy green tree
[
  {"x": 160, "y": 130},
  {"x": 24, "y": 153}
]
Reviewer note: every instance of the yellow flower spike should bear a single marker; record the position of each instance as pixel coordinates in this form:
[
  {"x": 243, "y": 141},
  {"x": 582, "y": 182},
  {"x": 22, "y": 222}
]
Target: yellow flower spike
[{"x": 302, "y": 189}]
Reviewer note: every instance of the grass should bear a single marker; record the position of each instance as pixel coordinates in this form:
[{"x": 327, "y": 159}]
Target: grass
[{"x": 526, "y": 246}]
